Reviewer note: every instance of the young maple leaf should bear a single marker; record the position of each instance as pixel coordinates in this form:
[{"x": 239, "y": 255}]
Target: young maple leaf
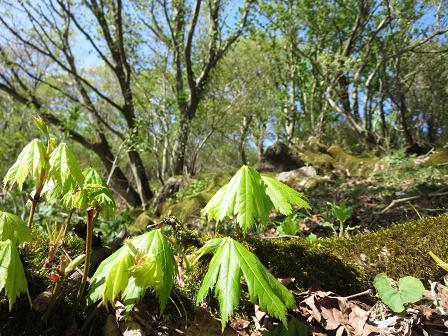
[
  {"x": 249, "y": 196},
  {"x": 231, "y": 260}
]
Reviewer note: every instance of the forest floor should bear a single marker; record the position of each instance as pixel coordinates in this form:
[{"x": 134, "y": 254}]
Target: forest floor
[
  {"x": 390, "y": 190},
  {"x": 397, "y": 189}
]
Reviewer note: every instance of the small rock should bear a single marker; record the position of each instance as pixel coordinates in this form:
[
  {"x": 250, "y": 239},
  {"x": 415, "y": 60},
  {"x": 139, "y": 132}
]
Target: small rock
[{"x": 287, "y": 176}]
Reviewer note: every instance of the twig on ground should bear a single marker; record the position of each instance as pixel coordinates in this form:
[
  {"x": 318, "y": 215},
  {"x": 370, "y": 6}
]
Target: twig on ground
[{"x": 411, "y": 198}]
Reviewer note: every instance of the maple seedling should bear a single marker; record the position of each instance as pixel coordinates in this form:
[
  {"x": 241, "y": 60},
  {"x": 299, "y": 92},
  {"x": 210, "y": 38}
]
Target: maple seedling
[{"x": 251, "y": 196}]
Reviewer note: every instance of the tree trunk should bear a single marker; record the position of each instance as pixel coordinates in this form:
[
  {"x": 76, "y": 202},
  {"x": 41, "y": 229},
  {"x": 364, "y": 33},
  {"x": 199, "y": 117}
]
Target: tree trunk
[
  {"x": 140, "y": 177},
  {"x": 260, "y": 138},
  {"x": 242, "y": 143},
  {"x": 119, "y": 182},
  {"x": 180, "y": 145}
]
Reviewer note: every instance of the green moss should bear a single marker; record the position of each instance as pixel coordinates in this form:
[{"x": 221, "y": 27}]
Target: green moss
[
  {"x": 189, "y": 208},
  {"x": 317, "y": 159},
  {"x": 438, "y": 158},
  {"x": 35, "y": 252},
  {"x": 141, "y": 222},
  {"x": 346, "y": 266},
  {"x": 357, "y": 166}
]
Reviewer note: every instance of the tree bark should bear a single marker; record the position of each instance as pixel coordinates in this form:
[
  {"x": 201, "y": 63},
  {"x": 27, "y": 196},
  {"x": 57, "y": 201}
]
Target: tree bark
[
  {"x": 180, "y": 145},
  {"x": 243, "y": 137}
]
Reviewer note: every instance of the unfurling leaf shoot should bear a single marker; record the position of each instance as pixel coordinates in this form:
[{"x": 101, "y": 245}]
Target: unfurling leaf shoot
[{"x": 147, "y": 261}]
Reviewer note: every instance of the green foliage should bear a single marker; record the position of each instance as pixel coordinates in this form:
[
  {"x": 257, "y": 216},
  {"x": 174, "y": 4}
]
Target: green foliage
[
  {"x": 147, "y": 272},
  {"x": 13, "y": 232},
  {"x": 12, "y": 275},
  {"x": 13, "y": 228},
  {"x": 64, "y": 167},
  {"x": 410, "y": 290},
  {"x": 282, "y": 196},
  {"x": 250, "y": 196},
  {"x": 295, "y": 328},
  {"x": 41, "y": 125},
  {"x": 193, "y": 188},
  {"x": 230, "y": 260},
  {"x": 92, "y": 193},
  {"x": 147, "y": 261},
  {"x": 342, "y": 213},
  {"x": 288, "y": 227},
  {"x": 30, "y": 162}
]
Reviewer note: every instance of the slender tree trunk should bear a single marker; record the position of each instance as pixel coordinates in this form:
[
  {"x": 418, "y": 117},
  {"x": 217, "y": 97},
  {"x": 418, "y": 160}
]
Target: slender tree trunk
[
  {"x": 180, "y": 145},
  {"x": 140, "y": 177},
  {"x": 260, "y": 139},
  {"x": 403, "y": 111},
  {"x": 243, "y": 137},
  {"x": 119, "y": 182}
]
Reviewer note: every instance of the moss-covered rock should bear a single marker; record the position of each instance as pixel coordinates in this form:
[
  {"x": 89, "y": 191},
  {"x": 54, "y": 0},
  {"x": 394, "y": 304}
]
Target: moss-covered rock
[
  {"x": 188, "y": 208},
  {"x": 437, "y": 158},
  {"x": 318, "y": 159},
  {"x": 353, "y": 165},
  {"x": 346, "y": 266},
  {"x": 141, "y": 222}
]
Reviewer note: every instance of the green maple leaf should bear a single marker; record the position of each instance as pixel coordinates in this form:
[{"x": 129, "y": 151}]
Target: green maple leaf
[
  {"x": 54, "y": 191},
  {"x": 64, "y": 167},
  {"x": 147, "y": 261},
  {"x": 249, "y": 196},
  {"x": 111, "y": 277},
  {"x": 94, "y": 192},
  {"x": 231, "y": 260},
  {"x": 12, "y": 227},
  {"x": 282, "y": 196},
  {"x": 12, "y": 275},
  {"x": 155, "y": 243},
  {"x": 148, "y": 273},
  {"x": 410, "y": 290},
  {"x": 243, "y": 196},
  {"x": 30, "y": 162}
]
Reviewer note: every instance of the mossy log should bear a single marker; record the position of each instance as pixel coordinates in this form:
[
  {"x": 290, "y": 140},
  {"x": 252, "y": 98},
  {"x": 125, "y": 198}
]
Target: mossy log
[{"x": 348, "y": 265}]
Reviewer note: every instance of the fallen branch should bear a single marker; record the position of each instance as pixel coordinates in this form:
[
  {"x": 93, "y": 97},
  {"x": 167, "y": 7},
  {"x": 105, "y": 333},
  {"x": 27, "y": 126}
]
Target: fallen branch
[{"x": 411, "y": 198}]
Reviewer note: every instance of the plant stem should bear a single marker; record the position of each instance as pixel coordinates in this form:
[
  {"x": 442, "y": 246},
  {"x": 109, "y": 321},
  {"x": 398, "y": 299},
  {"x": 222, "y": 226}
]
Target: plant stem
[
  {"x": 32, "y": 211},
  {"x": 90, "y": 221},
  {"x": 341, "y": 229},
  {"x": 36, "y": 197}
]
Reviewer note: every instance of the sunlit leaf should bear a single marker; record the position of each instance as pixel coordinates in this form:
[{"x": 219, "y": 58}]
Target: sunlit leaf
[
  {"x": 94, "y": 193},
  {"x": 148, "y": 273},
  {"x": 231, "y": 260},
  {"x": 155, "y": 243},
  {"x": 30, "y": 162},
  {"x": 250, "y": 196},
  {"x": 282, "y": 196},
  {"x": 243, "y": 196},
  {"x": 410, "y": 290},
  {"x": 12, "y": 275},
  {"x": 12, "y": 227},
  {"x": 111, "y": 277},
  {"x": 63, "y": 166},
  {"x": 146, "y": 262}
]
